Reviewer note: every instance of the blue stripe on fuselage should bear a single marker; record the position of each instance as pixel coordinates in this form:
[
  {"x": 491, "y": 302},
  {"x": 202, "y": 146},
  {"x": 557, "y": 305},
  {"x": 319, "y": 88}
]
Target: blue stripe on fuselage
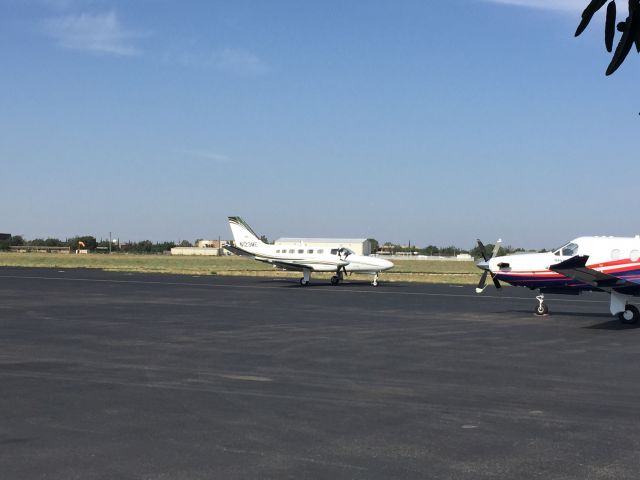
[{"x": 538, "y": 281}]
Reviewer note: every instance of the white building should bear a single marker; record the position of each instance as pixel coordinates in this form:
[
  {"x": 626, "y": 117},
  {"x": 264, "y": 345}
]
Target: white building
[
  {"x": 360, "y": 246},
  {"x": 203, "y": 247},
  {"x": 195, "y": 251}
]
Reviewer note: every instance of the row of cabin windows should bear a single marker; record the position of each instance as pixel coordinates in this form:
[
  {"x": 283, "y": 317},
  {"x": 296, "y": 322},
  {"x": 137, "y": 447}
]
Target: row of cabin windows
[{"x": 320, "y": 251}]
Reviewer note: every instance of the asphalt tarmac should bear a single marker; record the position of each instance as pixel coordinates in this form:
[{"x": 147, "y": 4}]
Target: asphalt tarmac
[{"x": 136, "y": 376}]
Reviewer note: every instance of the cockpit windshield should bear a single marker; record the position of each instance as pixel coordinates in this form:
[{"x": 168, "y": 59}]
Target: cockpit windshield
[{"x": 569, "y": 250}]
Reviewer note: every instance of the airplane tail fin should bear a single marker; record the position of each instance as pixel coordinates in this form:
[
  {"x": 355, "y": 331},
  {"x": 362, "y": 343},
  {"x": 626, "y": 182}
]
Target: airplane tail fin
[{"x": 243, "y": 236}]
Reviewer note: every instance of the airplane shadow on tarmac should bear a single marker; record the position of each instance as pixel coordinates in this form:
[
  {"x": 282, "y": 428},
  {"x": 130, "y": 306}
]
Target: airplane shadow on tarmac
[
  {"x": 610, "y": 324},
  {"x": 292, "y": 283}
]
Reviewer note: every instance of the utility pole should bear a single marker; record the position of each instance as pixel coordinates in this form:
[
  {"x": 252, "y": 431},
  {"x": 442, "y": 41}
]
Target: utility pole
[{"x": 109, "y": 242}]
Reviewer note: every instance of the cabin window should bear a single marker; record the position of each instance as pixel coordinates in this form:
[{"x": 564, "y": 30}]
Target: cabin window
[
  {"x": 277, "y": 251},
  {"x": 320, "y": 251},
  {"x": 615, "y": 254},
  {"x": 334, "y": 251},
  {"x": 292, "y": 251},
  {"x": 310, "y": 251},
  {"x": 300, "y": 250}
]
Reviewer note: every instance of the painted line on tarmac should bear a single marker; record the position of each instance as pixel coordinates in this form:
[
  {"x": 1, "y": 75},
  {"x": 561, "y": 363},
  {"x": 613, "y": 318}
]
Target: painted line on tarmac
[{"x": 301, "y": 289}]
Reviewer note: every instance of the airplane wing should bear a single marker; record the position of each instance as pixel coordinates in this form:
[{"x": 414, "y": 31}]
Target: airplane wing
[
  {"x": 576, "y": 268},
  {"x": 288, "y": 265}
]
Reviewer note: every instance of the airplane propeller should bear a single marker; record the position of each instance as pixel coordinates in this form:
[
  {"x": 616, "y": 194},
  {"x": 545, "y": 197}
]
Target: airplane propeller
[
  {"x": 485, "y": 266},
  {"x": 630, "y": 29}
]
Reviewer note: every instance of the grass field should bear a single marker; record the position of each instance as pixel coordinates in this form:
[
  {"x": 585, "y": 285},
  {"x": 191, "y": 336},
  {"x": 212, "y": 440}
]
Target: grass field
[{"x": 404, "y": 271}]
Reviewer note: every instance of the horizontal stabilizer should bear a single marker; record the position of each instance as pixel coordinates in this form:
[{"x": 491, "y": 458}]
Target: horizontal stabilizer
[{"x": 237, "y": 251}]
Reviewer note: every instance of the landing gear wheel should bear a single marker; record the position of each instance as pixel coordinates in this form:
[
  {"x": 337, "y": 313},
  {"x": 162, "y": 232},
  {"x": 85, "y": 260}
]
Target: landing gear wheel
[
  {"x": 542, "y": 310},
  {"x": 304, "y": 282},
  {"x": 630, "y": 316},
  {"x": 335, "y": 280}
]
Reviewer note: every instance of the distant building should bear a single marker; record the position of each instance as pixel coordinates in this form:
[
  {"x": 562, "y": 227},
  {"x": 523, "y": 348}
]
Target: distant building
[
  {"x": 211, "y": 243},
  {"x": 203, "y": 248},
  {"x": 360, "y": 246},
  {"x": 5, "y": 236}
]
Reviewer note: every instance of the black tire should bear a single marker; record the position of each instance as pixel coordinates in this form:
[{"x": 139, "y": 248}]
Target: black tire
[
  {"x": 632, "y": 315},
  {"x": 542, "y": 310},
  {"x": 335, "y": 280},
  {"x": 303, "y": 282}
]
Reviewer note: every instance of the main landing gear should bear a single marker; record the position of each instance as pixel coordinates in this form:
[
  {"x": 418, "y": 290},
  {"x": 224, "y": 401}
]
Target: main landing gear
[
  {"x": 304, "y": 281},
  {"x": 627, "y": 314},
  {"x": 336, "y": 279},
  {"x": 542, "y": 309},
  {"x": 630, "y": 316}
]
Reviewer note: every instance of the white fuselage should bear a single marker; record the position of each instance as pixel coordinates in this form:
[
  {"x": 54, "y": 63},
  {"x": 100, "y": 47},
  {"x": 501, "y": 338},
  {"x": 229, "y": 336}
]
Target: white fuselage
[
  {"x": 617, "y": 256},
  {"x": 320, "y": 260}
]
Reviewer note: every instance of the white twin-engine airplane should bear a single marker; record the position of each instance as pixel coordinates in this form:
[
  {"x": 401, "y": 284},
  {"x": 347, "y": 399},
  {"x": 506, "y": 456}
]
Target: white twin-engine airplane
[
  {"x": 601, "y": 264},
  {"x": 303, "y": 258}
]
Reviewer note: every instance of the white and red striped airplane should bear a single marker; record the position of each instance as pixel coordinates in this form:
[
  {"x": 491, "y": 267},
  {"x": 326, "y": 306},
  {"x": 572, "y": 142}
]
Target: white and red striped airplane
[{"x": 604, "y": 264}]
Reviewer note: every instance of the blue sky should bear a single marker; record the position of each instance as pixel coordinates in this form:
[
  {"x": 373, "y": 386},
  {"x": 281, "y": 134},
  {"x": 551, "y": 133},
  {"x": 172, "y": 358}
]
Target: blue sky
[{"x": 429, "y": 122}]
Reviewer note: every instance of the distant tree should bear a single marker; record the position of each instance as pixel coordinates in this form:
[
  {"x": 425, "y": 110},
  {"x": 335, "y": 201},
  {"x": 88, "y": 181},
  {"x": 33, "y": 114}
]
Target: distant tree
[
  {"x": 503, "y": 250},
  {"x": 104, "y": 244},
  {"x": 475, "y": 252},
  {"x": 374, "y": 244},
  {"x": 450, "y": 251},
  {"x": 17, "y": 240},
  {"x": 431, "y": 250},
  {"x": 185, "y": 243},
  {"x": 54, "y": 242},
  {"x": 145, "y": 246},
  {"x": 630, "y": 29}
]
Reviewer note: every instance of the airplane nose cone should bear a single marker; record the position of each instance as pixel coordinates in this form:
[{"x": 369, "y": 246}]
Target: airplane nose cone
[
  {"x": 386, "y": 264},
  {"x": 484, "y": 265}
]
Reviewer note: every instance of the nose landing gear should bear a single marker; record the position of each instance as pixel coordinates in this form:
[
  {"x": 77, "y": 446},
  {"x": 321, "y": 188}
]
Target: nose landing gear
[
  {"x": 338, "y": 277},
  {"x": 542, "y": 309}
]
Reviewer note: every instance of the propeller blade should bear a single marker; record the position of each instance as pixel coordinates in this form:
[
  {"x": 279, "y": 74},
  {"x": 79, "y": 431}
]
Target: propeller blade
[
  {"x": 631, "y": 27},
  {"x": 633, "y": 6},
  {"x": 482, "y": 284},
  {"x": 483, "y": 251},
  {"x": 496, "y": 282},
  {"x": 588, "y": 14},
  {"x": 496, "y": 248},
  {"x": 610, "y": 26}
]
